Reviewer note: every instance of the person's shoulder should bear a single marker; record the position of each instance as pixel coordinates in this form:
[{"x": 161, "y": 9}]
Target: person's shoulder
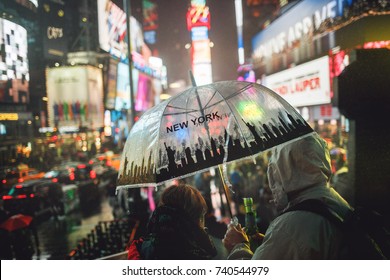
[
  {"x": 293, "y": 235},
  {"x": 296, "y": 221}
]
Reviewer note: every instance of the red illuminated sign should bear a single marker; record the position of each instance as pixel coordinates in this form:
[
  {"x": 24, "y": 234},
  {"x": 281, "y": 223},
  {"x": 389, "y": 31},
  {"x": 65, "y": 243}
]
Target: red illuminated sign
[
  {"x": 326, "y": 110},
  {"x": 299, "y": 85},
  {"x": 376, "y": 45},
  {"x": 198, "y": 16}
]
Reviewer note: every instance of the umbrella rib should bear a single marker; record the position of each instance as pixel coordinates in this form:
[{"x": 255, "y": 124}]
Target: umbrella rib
[
  {"x": 238, "y": 123},
  {"x": 180, "y": 113},
  {"x": 207, "y": 105},
  {"x": 176, "y": 107},
  {"x": 215, "y": 92},
  {"x": 194, "y": 116},
  {"x": 158, "y": 143},
  {"x": 187, "y": 99},
  {"x": 238, "y": 92},
  {"x": 227, "y": 98}
]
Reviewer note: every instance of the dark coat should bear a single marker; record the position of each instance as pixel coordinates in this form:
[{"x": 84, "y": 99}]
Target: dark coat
[{"x": 172, "y": 236}]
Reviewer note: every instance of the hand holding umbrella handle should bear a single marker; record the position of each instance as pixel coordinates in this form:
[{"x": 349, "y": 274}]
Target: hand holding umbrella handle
[
  {"x": 234, "y": 221},
  {"x": 234, "y": 235},
  {"x": 226, "y": 191}
]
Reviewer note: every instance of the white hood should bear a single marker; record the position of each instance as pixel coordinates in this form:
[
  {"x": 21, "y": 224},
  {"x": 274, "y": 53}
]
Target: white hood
[{"x": 296, "y": 166}]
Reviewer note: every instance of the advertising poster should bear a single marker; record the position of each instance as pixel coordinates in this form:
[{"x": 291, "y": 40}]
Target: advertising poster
[
  {"x": 75, "y": 96},
  {"x": 304, "y": 85},
  {"x": 113, "y": 30}
]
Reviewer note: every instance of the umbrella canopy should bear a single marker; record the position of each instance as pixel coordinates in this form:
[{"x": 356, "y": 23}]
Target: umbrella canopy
[
  {"x": 15, "y": 222},
  {"x": 203, "y": 127}
]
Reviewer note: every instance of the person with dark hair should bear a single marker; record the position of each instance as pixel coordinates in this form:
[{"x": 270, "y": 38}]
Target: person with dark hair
[
  {"x": 298, "y": 172},
  {"x": 176, "y": 228}
]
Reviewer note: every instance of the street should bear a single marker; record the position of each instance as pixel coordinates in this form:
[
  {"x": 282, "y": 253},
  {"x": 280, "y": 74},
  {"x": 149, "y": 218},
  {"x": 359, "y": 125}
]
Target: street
[{"x": 57, "y": 237}]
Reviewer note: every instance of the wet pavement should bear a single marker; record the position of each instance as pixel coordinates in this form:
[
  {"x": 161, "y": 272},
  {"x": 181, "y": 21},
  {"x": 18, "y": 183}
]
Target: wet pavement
[{"x": 57, "y": 237}]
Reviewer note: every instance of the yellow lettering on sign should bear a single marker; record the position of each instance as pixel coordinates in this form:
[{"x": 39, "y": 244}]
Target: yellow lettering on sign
[{"x": 9, "y": 117}]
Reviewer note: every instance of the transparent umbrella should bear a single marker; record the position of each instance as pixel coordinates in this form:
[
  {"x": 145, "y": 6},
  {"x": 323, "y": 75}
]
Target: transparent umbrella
[{"x": 204, "y": 127}]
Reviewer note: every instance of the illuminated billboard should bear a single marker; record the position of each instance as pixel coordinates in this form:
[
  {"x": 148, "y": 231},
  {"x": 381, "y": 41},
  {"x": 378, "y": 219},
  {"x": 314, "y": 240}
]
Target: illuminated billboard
[
  {"x": 123, "y": 100},
  {"x": 198, "y": 15},
  {"x": 150, "y": 22},
  {"x": 246, "y": 73},
  {"x": 111, "y": 84},
  {"x": 150, "y": 19},
  {"x": 304, "y": 85},
  {"x": 14, "y": 72},
  {"x": 145, "y": 88},
  {"x": 113, "y": 30},
  {"x": 294, "y": 28},
  {"x": 75, "y": 96},
  {"x": 198, "y": 22},
  {"x": 201, "y": 50}
]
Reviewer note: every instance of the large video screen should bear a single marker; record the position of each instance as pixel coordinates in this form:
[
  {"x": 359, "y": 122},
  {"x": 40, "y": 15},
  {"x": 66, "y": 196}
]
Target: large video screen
[
  {"x": 113, "y": 30},
  {"x": 14, "y": 72}
]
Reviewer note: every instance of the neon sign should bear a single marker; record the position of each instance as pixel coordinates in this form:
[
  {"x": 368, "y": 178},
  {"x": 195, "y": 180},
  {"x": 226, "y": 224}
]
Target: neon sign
[
  {"x": 9, "y": 117},
  {"x": 54, "y": 32},
  {"x": 198, "y": 16}
]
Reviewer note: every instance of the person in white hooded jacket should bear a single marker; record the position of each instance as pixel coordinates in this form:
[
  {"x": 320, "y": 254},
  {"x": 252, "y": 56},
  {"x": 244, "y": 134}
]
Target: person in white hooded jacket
[{"x": 297, "y": 171}]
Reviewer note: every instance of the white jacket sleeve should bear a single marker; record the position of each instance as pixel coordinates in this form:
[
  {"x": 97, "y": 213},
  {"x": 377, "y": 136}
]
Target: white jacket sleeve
[{"x": 241, "y": 251}]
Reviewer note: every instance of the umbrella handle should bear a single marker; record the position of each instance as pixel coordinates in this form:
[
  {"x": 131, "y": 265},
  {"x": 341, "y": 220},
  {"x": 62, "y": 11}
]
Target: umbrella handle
[{"x": 227, "y": 194}]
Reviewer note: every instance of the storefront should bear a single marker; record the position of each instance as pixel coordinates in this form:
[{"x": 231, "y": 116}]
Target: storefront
[{"x": 16, "y": 135}]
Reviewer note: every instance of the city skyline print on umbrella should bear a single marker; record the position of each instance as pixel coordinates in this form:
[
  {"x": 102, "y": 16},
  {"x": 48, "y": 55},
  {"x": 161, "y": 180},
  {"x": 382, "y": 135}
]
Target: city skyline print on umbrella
[{"x": 205, "y": 127}]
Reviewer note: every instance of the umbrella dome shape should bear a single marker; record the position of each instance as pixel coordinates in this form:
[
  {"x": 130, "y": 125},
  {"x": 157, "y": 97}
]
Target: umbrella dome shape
[
  {"x": 15, "y": 222},
  {"x": 204, "y": 127}
]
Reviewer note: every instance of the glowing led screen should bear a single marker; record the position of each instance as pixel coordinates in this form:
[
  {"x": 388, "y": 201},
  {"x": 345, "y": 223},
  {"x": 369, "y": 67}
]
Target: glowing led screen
[{"x": 14, "y": 72}]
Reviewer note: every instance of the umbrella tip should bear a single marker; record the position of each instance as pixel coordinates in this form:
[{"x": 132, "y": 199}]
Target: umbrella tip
[{"x": 192, "y": 78}]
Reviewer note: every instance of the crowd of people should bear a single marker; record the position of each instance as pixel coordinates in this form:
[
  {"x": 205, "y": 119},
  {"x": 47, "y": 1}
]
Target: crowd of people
[
  {"x": 186, "y": 225},
  {"x": 190, "y": 219}
]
